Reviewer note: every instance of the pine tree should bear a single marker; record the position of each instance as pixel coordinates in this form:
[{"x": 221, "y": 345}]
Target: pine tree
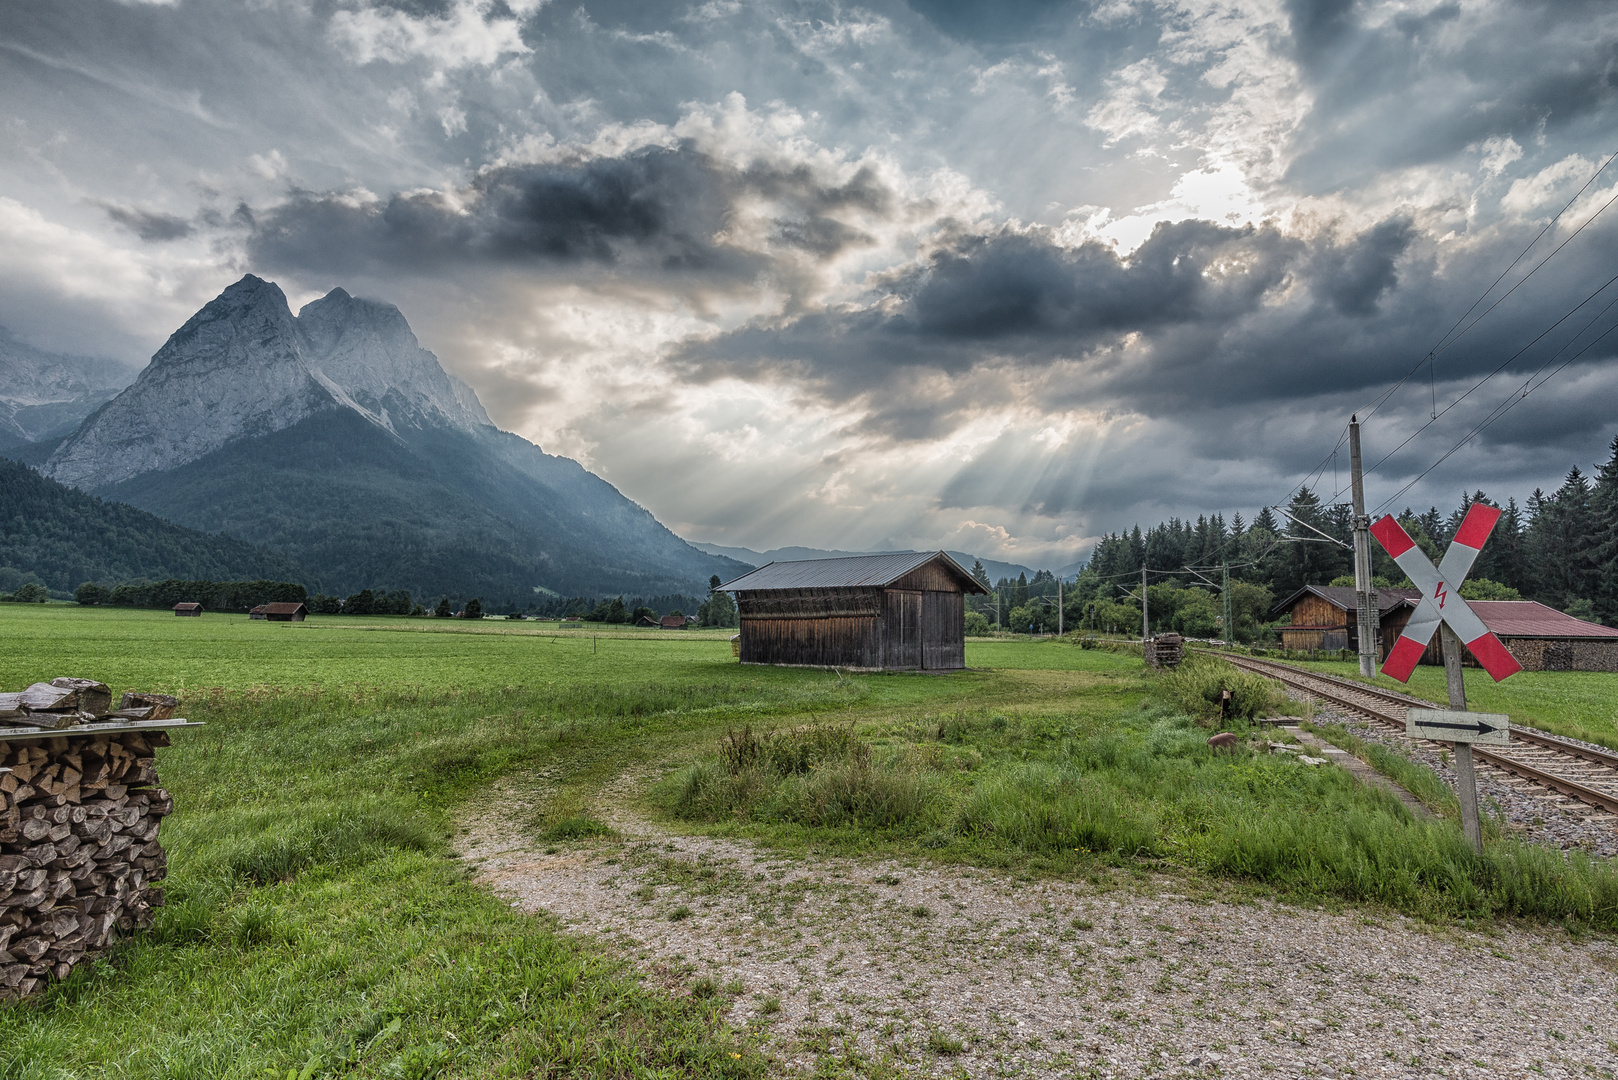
[{"x": 1604, "y": 530}]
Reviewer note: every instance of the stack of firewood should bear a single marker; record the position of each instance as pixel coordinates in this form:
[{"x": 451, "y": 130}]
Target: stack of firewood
[{"x": 79, "y": 815}]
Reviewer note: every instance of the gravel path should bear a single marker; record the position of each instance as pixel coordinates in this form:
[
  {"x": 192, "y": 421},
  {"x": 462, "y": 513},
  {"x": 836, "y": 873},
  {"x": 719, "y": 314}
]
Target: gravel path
[{"x": 950, "y": 971}]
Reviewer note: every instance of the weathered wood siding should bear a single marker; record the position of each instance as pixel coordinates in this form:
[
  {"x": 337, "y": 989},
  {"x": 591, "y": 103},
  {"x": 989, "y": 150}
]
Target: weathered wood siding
[
  {"x": 1316, "y": 613},
  {"x": 830, "y": 641},
  {"x": 919, "y": 626},
  {"x": 943, "y": 630}
]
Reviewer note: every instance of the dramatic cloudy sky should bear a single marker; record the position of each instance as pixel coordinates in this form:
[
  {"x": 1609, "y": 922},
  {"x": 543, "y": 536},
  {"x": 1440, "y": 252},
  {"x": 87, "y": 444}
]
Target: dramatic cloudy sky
[{"x": 997, "y": 276}]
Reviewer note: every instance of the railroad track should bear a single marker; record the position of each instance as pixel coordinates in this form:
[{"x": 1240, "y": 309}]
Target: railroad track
[{"x": 1566, "y": 767}]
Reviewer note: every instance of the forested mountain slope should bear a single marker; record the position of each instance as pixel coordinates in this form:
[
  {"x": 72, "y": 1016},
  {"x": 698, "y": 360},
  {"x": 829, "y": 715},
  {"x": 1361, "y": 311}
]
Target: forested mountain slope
[{"x": 65, "y": 538}]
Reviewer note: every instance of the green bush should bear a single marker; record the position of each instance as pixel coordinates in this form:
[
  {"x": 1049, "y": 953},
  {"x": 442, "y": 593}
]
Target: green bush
[{"x": 1197, "y": 688}]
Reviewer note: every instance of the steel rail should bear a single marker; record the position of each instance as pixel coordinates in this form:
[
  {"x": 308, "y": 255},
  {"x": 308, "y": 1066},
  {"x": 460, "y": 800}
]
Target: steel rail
[
  {"x": 1527, "y": 734},
  {"x": 1572, "y": 788}
]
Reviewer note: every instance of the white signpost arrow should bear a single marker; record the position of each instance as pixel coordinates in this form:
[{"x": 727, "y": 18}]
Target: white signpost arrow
[
  {"x": 1447, "y": 725},
  {"x": 1441, "y": 606}
]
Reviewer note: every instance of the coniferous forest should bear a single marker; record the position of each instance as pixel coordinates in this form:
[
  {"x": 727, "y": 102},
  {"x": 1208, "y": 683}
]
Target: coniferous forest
[{"x": 1558, "y": 547}]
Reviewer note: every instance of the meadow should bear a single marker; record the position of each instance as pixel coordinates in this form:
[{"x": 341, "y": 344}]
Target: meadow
[{"x": 317, "y": 923}]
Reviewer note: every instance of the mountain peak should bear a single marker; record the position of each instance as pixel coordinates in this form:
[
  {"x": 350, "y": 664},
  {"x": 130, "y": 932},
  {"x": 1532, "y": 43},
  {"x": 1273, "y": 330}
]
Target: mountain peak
[{"x": 244, "y": 365}]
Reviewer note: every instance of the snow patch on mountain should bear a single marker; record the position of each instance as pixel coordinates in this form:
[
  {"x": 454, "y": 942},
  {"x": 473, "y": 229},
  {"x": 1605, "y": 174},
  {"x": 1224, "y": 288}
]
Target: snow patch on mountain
[{"x": 44, "y": 394}]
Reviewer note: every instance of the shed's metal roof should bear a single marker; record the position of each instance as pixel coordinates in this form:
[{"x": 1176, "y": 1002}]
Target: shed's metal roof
[
  {"x": 848, "y": 572},
  {"x": 1529, "y": 618},
  {"x": 1344, "y": 596}
]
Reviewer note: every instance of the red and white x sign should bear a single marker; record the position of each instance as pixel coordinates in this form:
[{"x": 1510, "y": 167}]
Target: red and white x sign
[{"x": 1441, "y": 595}]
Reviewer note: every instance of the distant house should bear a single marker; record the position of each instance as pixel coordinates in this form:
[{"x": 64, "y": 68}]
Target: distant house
[
  {"x": 1540, "y": 637},
  {"x": 258, "y": 612},
  {"x": 903, "y": 611},
  {"x": 649, "y": 620},
  {"x": 1327, "y": 617},
  {"x": 188, "y": 609},
  {"x": 672, "y": 622},
  {"x": 284, "y": 612}
]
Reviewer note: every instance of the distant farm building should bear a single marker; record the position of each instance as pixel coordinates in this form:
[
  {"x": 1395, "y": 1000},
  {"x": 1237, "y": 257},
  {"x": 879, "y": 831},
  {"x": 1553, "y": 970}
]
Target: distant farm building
[
  {"x": 672, "y": 622},
  {"x": 867, "y": 612},
  {"x": 649, "y": 620},
  {"x": 1540, "y": 637},
  {"x": 1327, "y": 617},
  {"x": 188, "y": 609},
  {"x": 286, "y": 612},
  {"x": 258, "y": 612}
]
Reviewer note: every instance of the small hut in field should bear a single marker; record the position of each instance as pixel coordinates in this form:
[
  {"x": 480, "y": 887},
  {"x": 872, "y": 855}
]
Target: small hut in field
[
  {"x": 901, "y": 612},
  {"x": 188, "y": 609}
]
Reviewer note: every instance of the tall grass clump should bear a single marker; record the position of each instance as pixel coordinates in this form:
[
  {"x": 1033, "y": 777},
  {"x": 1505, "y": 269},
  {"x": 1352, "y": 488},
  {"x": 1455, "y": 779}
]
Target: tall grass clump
[
  {"x": 1197, "y": 687},
  {"x": 1045, "y": 808},
  {"x": 815, "y": 775}
]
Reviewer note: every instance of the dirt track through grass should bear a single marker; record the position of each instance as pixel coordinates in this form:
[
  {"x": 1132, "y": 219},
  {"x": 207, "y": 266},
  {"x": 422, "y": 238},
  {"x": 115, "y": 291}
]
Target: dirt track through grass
[{"x": 845, "y": 966}]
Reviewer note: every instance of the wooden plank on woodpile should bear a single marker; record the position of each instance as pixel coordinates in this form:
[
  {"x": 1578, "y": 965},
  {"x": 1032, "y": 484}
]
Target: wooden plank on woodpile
[
  {"x": 94, "y": 697},
  {"x": 162, "y": 705}
]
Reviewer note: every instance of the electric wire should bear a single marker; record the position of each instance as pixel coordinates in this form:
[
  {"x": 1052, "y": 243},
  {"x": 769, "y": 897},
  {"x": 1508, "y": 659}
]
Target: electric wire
[
  {"x": 1381, "y": 399},
  {"x": 1512, "y": 401}
]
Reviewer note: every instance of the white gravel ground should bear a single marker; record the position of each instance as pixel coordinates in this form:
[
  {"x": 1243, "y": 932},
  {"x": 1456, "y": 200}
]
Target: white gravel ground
[{"x": 948, "y": 971}]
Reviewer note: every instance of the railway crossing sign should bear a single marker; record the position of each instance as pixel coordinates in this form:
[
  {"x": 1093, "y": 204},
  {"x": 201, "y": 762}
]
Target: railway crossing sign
[
  {"x": 1441, "y": 596},
  {"x": 1446, "y": 725}
]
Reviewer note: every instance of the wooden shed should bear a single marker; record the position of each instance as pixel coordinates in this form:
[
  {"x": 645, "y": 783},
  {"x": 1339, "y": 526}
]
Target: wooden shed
[
  {"x": 902, "y": 612},
  {"x": 258, "y": 612},
  {"x": 1327, "y": 617},
  {"x": 188, "y": 609},
  {"x": 671, "y": 622},
  {"x": 281, "y": 612}
]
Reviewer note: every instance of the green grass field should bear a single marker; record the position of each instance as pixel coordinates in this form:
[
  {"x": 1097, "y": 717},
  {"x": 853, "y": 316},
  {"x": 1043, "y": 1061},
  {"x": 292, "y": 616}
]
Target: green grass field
[{"x": 316, "y": 924}]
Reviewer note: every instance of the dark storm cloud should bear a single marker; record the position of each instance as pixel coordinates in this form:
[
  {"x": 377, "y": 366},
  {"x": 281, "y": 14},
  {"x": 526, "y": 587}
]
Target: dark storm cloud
[
  {"x": 1017, "y": 295},
  {"x": 657, "y": 211},
  {"x": 1421, "y": 89},
  {"x": 1354, "y": 276},
  {"x": 150, "y": 225},
  {"x": 1201, "y": 324}
]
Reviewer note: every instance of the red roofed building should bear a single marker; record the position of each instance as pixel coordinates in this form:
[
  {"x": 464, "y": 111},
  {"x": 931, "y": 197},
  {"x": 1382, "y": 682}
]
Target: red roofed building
[
  {"x": 1540, "y": 637},
  {"x": 672, "y": 622}
]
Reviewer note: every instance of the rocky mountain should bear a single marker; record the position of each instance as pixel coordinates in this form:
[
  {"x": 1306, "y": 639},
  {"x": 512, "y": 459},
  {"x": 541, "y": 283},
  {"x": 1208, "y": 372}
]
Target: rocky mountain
[
  {"x": 45, "y": 395},
  {"x": 333, "y": 437}
]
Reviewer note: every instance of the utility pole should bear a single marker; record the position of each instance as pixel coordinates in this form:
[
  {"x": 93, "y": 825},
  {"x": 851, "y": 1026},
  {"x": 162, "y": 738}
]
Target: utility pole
[
  {"x": 1058, "y": 607},
  {"x": 1145, "y": 622},
  {"x": 1230, "y": 634},
  {"x": 1370, "y": 625},
  {"x": 1466, "y": 782}
]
